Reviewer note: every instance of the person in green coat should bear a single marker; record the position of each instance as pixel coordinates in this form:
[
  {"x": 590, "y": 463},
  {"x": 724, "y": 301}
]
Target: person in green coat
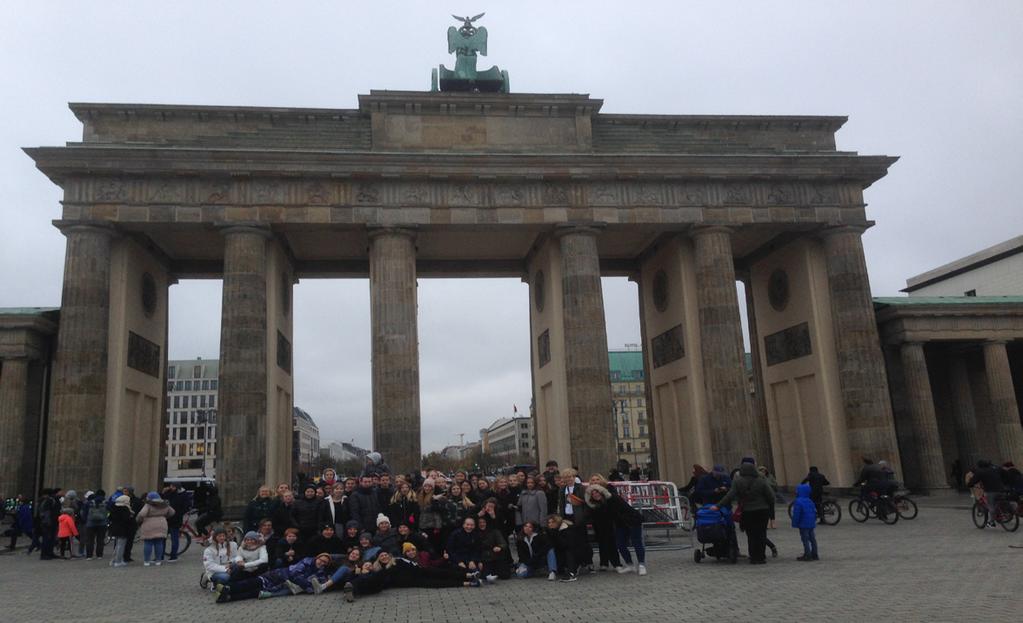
[{"x": 755, "y": 498}]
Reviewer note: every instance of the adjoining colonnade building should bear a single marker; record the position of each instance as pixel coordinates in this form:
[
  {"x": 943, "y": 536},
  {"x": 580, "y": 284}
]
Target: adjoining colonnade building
[{"x": 541, "y": 187}]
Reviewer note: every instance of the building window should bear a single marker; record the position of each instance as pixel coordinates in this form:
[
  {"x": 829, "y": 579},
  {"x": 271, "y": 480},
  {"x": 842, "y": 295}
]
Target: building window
[
  {"x": 621, "y": 447},
  {"x": 180, "y": 385},
  {"x": 170, "y": 371},
  {"x": 195, "y": 401},
  {"x": 177, "y": 402},
  {"x": 213, "y": 384},
  {"x": 202, "y": 401},
  {"x": 628, "y": 447},
  {"x": 970, "y": 293},
  {"x": 213, "y": 401},
  {"x": 196, "y": 372},
  {"x": 205, "y": 385},
  {"x": 188, "y": 386}
]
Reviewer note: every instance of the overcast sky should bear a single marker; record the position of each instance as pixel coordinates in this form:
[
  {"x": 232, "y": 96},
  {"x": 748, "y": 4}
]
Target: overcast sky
[{"x": 942, "y": 89}]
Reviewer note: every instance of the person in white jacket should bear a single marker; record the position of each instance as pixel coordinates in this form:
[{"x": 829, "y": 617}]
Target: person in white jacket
[
  {"x": 252, "y": 557},
  {"x": 221, "y": 558}
]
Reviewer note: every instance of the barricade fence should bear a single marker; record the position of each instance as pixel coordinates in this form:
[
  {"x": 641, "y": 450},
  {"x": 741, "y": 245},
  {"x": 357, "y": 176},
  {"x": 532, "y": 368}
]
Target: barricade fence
[{"x": 665, "y": 512}]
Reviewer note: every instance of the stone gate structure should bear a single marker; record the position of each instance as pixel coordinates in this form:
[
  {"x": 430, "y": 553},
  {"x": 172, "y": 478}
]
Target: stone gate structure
[{"x": 542, "y": 187}]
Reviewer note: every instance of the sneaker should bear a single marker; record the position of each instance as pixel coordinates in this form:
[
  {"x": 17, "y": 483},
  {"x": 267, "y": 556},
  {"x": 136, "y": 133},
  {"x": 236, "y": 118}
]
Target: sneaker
[
  {"x": 349, "y": 591},
  {"x": 99, "y": 558},
  {"x": 317, "y": 587},
  {"x": 475, "y": 582},
  {"x": 158, "y": 563},
  {"x": 569, "y": 577},
  {"x": 624, "y": 569},
  {"x": 491, "y": 579},
  {"x": 264, "y": 595},
  {"x": 175, "y": 559},
  {"x": 223, "y": 598},
  {"x": 641, "y": 570},
  {"x": 88, "y": 558},
  {"x": 119, "y": 564},
  {"x": 294, "y": 588},
  {"x": 146, "y": 564},
  {"x": 552, "y": 576}
]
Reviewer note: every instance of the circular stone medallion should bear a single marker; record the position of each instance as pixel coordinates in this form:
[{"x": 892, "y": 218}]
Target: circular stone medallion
[
  {"x": 778, "y": 290},
  {"x": 148, "y": 295},
  {"x": 539, "y": 285},
  {"x": 660, "y": 291}
]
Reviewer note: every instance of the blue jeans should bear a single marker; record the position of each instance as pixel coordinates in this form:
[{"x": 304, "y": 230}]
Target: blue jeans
[
  {"x": 152, "y": 549},
  {"x": 220, "y": 577},
  {"x": 809, "y": 542},
  {"x": 340, "y": 575},
  {"x": 175, "y": 538},
  {"x": 623, "y": 535},
  {"x": 552, "y": 560}
]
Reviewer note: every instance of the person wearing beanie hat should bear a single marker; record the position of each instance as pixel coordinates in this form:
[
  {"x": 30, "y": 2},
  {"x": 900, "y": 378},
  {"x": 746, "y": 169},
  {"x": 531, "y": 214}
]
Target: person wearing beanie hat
[
  {"x": 153, "y": 527},
  {"x": 252, "y": 556},
  {"x": 291, "y": 580},
  {"x": 95, "y": 517},
  {"x": 122, "y": 526},
  {"x": 325, "y": 541},
  {"x": 386, "y": 538}
]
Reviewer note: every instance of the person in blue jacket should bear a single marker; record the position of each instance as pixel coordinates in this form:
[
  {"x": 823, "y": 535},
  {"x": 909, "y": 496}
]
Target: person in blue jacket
[
  {"x": 710, "y": 488},
  {"x": 290, "y": 580},
  {"x": 804, "y": 517}
]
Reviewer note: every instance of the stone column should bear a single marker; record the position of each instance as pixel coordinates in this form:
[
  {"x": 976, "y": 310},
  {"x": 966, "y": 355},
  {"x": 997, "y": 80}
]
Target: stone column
[
  {"x": 758, "y": 402},
  {"x": 648, "y": 392},
  {"x": 964, "y": 414},
  {"x": 733, "y": 431},
  {"x": 395, "y": 343},
  {"x": 77, "y": 419},
  {"x": 1004, "y": 411},
  {"x": 17, "y": 452},
  {"x": 242, "y": 410},
  {"x": 868, "y": 412},
  {"x": 587, "y": 374},
  {"x": 924, "y": 421}
]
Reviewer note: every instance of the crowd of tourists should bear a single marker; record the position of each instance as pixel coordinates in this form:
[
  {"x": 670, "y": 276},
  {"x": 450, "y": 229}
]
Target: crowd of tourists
[{"x": 376, "y": 531}]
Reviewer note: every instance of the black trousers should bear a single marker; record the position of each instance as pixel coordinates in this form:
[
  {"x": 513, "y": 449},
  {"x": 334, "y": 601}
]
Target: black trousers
[
  {"x": 607, "y": 546},
  {"x": 755, "y": 525},
  {"x": 94, "y": 538}
]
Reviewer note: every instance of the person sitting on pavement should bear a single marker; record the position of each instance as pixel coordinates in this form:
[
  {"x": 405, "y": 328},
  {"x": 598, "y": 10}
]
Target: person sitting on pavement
[
  {"x": 386, "y": 538},
  {"x": 252, "y": 556},
  {"x": 288, "y": 550},
  {"x": 326, "y": 541},
  {"x": 220, "y": 558}
]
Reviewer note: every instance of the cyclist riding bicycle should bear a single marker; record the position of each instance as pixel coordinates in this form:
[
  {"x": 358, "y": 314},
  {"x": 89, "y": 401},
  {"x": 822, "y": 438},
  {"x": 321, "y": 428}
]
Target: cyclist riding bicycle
[{"x": 988, "y": 476}]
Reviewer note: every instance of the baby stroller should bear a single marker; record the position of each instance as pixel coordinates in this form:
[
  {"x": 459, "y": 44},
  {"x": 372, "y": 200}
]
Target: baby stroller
[{"x": 715, "y": 535}]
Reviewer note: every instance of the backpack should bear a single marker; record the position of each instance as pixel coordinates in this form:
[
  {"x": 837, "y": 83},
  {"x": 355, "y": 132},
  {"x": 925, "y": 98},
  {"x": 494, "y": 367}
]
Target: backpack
[{"x": 97, "y": 514}]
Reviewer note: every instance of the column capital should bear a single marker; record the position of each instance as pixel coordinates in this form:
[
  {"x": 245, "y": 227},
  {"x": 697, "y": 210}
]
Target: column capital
[
  {"x": 910, "y": 343},
  {"x": 587, "y": 229},
  {"x": 995, "y": 342},
  {"x": 700, "y": 230},
  {"x": 18, "y": 357},
  {"x": 246, "y": 228},
  {"x": 100, "y": 227},
  {"x": 835, "y": 230},
  {"x": 376, "y": 231}
]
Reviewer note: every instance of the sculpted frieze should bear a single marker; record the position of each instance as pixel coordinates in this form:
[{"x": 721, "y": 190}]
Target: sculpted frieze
[
  {"x": 604, "y": 194},
  {"x": 511, "y": 194},
  {"x": 463, "y": 195}
]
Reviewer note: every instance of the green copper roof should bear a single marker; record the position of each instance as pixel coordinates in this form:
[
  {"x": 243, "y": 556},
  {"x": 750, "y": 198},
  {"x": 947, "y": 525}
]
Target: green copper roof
[
  {"x": 26, "y": 311},
  {"x": 626, "y": 365},
  {"x": 948, "y": 300}
]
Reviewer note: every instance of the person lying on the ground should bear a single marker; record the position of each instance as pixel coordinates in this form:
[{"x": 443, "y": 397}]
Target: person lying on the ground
[{"x": 290, "y": 580}]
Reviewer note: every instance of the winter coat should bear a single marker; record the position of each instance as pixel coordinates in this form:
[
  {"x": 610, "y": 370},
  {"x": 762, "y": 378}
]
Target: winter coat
[
  {"x": 257, "y": 510},
  {"x": 613, "y": 510},
  {"x": 180, "y": 503},
  {"x": 706, "y": 488},
  {"x": 334, "y": 513},
  {"x": 95, "y": 513},
  {"x": 488, "y": 541},
  {"x": 153, "y": 519},
  {"x": 23, "y": 519},
  {"x": 817, "y": 481},
  {"x": 364, "y": 506},
  {"x": 49, "y": 509},
  {"x": 218, "y": 558},
  {"x": 122, "y": 522},
  {"x": 404, "y": 511},
  {"x": 463, "y": 547},
  {"x": 507, "y": 505},
  {"x": 751, "y": 490},
  {"x": 532, "y": 506},
  {"x": 66, "y": 526},
  {"x": 804, "y": 511},
  {"x": 307, "y": 514},
  {"x": 988, "y": 477},
  {"x": 579, "y": 514},
  {"x": 532, "y": 552},
  {"x": 252, "y": 559},
  {"x": 387, "y": 542},
  {"x": 280, "y": 556},
  {"x": 323, "y": 545},
  {"x": 283, "y": 517}
]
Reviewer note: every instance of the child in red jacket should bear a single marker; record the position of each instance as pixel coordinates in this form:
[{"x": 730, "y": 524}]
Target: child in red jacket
[{"x": 66, "y": 529}]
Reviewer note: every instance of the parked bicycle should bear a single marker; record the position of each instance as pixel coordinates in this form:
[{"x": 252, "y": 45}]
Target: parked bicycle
[
  {"x": 1007, "y": 512},
  {"x": 829, "y": 512},
  {"x": 873, "y": 505}
]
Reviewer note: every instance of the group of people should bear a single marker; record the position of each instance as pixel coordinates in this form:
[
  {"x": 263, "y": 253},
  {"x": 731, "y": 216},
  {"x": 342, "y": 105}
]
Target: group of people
[{"x": 364, "y": 535}]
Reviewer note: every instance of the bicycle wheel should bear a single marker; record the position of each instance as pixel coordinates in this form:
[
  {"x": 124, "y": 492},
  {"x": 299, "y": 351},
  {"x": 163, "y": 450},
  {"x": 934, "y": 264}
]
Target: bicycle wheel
[
  {"x": 831, "y": 513},
  {"x": 886, "y": 511},
  {"x": 790, "y": 508},
  {"x": 1006, "y": 517},
  {"x": 906, "y": 507},
  {"x": 184, "y": 541},
  {"x": 858, "y": 510},
  {"x": 979, "y": 514}
]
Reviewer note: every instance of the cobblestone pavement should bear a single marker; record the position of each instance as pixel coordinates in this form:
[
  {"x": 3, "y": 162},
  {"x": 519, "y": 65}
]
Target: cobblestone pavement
[{"x": 936, "y": 568}]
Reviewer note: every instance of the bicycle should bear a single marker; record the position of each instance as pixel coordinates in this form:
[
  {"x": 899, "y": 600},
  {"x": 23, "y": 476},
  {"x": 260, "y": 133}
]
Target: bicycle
[
  {"x": 1007, "y": 512},
  {"x": 829, "y": 512},
  {"x": 881, "y": 506},
  {"x": 906, "y": 507}
]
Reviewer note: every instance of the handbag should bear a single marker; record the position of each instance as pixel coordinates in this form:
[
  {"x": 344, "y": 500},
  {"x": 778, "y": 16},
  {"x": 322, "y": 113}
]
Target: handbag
[{"x": 737, "y": 513}]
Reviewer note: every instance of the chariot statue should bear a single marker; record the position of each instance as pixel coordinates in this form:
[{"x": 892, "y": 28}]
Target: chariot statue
[{"x": 465, "y": 43}]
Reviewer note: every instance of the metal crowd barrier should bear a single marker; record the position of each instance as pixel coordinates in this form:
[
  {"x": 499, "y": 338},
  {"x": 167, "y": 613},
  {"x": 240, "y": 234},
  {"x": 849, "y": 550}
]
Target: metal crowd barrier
[{"x": 667, "y": 516}]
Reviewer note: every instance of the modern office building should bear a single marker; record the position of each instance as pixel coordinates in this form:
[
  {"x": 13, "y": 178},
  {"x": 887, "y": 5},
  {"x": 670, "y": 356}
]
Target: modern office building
[
  {"x": 994, "y": 271},
  {"x": 509, "y": 436},
  {"x": 305, "y": 440},
  {"x": 192, "y": 419},
  {"x": 628, "y": 406}
]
